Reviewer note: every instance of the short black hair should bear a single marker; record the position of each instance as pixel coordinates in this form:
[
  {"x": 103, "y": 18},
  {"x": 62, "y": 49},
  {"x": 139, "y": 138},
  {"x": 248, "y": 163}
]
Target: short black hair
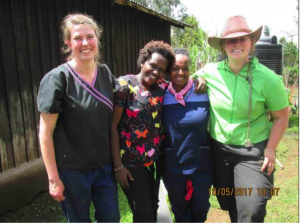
[
  {"x": 159, "y": 47},
  {"x": 182, "y": 51}
]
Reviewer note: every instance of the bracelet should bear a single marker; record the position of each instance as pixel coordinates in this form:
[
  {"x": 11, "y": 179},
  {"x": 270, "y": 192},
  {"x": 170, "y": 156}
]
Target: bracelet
[{"x": 118, "y": 168}]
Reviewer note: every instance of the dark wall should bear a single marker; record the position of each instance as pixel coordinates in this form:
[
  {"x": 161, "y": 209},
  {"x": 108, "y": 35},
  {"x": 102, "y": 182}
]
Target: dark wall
[{"x": 30, "y": 47}]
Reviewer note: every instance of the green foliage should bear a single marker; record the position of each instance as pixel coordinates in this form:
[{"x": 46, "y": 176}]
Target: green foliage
[
  {"x": 293, "y": 124},
  {"x": 166, "y": 7},
  {"x": 290, "y": 62},
  {"x": 282, "y": 40},
  {"x": 292, "y": 106},
  {"x": 267, "y": 30},
  {"x": 195, "y": 41}
]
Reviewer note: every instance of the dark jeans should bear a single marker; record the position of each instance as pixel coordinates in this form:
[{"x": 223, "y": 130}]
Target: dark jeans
[
  {"x": 239, "y": 169},
  {"x": 194, "y": 210},
  {"x": 142, "y": 194},
  {"x": 83, "y": 187}
]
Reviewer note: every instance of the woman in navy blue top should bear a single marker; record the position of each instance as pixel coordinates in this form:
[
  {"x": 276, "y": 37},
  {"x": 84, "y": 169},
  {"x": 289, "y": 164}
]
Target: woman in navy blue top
[{"x": 187, "y": 161}]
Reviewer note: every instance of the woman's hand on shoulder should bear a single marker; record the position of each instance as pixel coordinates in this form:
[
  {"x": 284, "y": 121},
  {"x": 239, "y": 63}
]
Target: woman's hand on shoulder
[
  {"x": 200, "y": 85},
  {"x": 122, "y": 176}
]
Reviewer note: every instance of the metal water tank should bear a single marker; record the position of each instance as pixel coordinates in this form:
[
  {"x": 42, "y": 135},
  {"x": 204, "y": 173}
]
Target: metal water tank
[{"x": 270, "y": 53}]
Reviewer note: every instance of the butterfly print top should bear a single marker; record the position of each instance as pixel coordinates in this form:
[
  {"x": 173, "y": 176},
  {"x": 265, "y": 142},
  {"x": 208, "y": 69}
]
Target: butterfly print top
[{"x": 140, "y": 128}]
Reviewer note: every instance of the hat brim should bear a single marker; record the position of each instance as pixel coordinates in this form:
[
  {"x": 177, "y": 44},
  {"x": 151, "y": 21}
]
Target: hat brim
[{"x": 214, "y": 41}]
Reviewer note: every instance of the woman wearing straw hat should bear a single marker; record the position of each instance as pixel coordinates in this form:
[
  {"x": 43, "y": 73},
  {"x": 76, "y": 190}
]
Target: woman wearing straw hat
[{"x": 241, "y": 91}]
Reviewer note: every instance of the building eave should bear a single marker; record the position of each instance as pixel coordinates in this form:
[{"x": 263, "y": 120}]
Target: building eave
[{"x": 142, "y": 8}]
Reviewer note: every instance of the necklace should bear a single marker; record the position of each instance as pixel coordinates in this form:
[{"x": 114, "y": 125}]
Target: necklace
[{"x": 249, "y": 79}]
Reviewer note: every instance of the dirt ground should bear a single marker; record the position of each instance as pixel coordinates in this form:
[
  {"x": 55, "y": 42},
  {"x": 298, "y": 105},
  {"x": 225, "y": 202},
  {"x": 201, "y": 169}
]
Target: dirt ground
[
  {"x": 44, "y": 209},
  {"x": 217, "y": 215}
]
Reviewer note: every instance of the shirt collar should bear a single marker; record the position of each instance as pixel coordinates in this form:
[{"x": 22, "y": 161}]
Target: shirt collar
[{"x": 224, "y": 65}]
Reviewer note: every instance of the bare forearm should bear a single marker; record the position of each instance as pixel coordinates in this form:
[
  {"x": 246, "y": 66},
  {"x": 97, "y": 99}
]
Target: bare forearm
[
  {"x": 277, "y": 132},
  {"x": 48, "y": 153},
  {"x": 47, "y": 126},
  {"x": 115, "y": 147}
]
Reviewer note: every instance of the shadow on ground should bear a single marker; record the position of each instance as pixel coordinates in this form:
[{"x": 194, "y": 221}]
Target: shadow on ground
[{"x": 42, "y": 209}]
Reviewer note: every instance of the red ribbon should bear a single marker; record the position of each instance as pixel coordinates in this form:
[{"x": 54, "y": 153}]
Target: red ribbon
[{"x": 190, "y": 190}]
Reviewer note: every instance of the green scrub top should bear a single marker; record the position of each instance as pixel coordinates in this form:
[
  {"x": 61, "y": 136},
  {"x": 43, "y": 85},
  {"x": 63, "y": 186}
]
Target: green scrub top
[{"x": 229, "y": 100}]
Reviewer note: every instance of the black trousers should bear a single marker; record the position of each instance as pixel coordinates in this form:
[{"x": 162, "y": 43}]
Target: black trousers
[
  {"x": 240, "y": 186},
  {"x": 196, "y": 209},
  {"x": 142, "y": 194}
]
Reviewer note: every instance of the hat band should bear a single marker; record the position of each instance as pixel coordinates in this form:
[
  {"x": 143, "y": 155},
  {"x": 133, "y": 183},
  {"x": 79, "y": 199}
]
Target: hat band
[{"x": 235, "y": 31}]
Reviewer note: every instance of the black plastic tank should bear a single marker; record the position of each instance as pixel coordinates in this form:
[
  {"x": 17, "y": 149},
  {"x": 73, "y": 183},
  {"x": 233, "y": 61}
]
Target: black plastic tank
[{"x": 270, "y": 53}]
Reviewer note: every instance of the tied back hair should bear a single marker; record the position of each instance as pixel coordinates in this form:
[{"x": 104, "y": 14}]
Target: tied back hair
[{"x": 79, "y": 19}]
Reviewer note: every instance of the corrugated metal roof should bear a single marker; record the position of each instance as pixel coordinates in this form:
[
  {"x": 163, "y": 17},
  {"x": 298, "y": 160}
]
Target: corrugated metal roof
[{"x": 142, "y": 8}]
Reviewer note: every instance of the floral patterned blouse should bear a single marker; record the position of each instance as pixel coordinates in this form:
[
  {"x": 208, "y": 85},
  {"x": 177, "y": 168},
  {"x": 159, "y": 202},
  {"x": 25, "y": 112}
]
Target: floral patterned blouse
[{"x": 140, "y": 129}]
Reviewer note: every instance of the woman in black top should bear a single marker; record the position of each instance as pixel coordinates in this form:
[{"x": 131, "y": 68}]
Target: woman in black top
[{"x": 75, "y": 101}]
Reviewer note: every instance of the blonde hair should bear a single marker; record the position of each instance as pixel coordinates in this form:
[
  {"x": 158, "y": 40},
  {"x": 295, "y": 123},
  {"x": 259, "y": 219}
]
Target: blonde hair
[{"x": 76, "y": 19}]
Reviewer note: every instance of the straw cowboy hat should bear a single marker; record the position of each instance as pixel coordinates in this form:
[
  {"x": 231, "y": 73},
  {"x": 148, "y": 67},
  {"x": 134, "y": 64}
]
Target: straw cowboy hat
[{"x": 235, "y": 26}]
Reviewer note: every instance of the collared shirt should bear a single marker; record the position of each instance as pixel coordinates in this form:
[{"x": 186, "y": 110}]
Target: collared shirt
[
  {"x": 229, "y": 98},
  {"x": 81, "y": 135}
]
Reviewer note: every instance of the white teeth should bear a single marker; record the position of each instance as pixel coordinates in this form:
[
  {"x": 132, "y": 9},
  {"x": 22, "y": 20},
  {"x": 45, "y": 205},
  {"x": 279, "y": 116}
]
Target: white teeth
[
  {"x": 236, "y": 51},
  {"x": 152, "y": 76},
  {"x": 85, "y": 51}
]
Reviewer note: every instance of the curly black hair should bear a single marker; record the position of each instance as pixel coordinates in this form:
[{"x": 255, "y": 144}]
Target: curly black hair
[{"x": 159, "y": 47}]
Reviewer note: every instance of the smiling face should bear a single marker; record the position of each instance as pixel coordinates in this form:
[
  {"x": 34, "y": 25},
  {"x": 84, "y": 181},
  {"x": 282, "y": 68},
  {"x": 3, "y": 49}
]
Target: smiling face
[
  {"x": 237, "y": 49},
  {"x": 180, "y": 72},
  {"x": 83, "y": 42},
  {"x": 153, "y": 69}
]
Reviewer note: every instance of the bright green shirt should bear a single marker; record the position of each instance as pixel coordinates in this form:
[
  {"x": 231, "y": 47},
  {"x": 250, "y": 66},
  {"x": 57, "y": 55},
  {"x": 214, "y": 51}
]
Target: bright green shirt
[{"x": 229, "y": 99}]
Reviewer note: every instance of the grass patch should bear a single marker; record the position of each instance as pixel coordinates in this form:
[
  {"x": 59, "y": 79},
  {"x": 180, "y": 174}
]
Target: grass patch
[
  {"x": 170, "y": 208},
  {"x": 294, "y": 120},
  {"x": 214, "y": 202},
  {"x": 284, "y": 207},
  {"x": 125, "y": 211},
  {"x": 293, "y": 124}
]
